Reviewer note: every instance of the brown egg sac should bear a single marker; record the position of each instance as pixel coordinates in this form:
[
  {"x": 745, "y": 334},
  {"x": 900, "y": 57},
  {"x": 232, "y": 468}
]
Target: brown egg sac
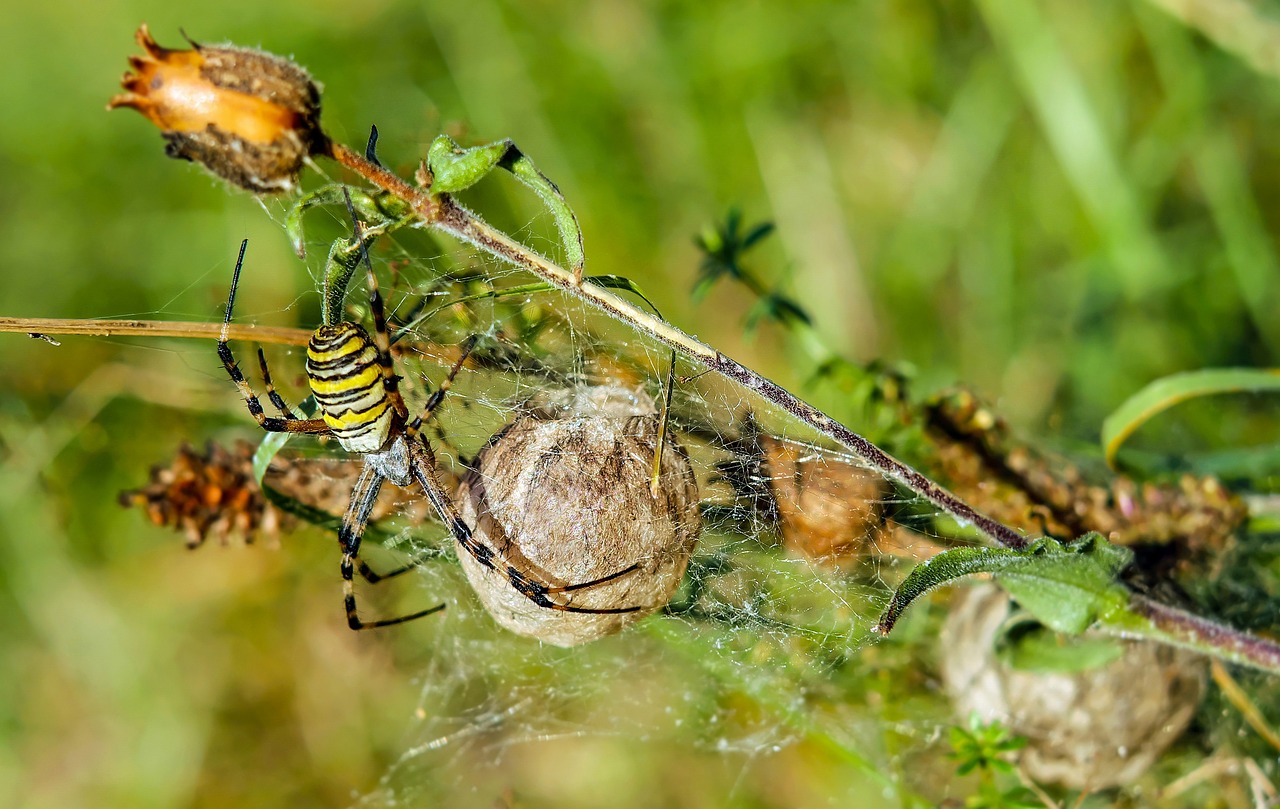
[
  {"x": 827, "y": 508},
  {"x": 248, "y": 117},
  {"x": 1088, "y": 730},
  {"x": 563, "y": 495}
]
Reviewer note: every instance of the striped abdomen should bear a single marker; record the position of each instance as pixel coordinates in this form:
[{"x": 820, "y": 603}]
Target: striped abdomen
[{"x": 346, "y": 380}]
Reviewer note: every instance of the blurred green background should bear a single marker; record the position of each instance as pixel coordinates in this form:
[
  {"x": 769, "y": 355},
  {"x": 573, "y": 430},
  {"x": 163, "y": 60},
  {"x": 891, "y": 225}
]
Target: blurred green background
[{"x": 1054, "y": 203}]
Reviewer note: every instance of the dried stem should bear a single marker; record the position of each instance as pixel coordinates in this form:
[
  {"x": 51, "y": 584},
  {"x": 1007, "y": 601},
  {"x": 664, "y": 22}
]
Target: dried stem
[
  {"x": 1151, "y": 619},
  {"x": 444, "y": 213},
  {"x": 262, "y": 335},
  {"x": 1146, "y": 618},
  {"x": 154, "y": 328}
]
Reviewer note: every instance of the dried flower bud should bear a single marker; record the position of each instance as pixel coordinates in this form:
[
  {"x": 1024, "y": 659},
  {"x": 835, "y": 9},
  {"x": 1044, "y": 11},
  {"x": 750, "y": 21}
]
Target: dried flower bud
[
  {"x": 249, "y": 117},
  {"x": 823, "y": 507},
  {"x": 563, "y": 494}
]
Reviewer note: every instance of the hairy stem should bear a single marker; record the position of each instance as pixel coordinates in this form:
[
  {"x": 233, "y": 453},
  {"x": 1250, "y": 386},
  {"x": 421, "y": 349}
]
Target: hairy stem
[
  {"x": 444, "y": 213},
  {"x": 1155, "y": 621},
  {"x": 1146, "y": 618}
]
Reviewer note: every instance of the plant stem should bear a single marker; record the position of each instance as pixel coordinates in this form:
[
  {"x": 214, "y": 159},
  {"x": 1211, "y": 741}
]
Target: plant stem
[
  {"x": 1155, "y": 621},
  {"x": 444, "y": 213},
  {"x": 1144, "y": 618},
  {"x": 248, "y": 332},
  {"x": 154, "y": 328}
]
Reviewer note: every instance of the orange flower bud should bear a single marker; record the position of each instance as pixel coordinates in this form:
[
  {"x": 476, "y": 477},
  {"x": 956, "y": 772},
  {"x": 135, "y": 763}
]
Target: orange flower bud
[{"x": 249, "y": 117}]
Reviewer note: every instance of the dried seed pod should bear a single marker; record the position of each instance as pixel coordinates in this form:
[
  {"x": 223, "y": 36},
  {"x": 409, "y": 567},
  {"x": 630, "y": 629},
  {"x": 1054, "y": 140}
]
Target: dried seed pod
[
  {"x": 984, "y": 465},
  {"x": 563, "y": 494},
  {"x": 249, "y": 117},
  {"x": 209, "y": 496},
  {"x": 215, "y": 495},
  {"x": 1089, "y": 730}
]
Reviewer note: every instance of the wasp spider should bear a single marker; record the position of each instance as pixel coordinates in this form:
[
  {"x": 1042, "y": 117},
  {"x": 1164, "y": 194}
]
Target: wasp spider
[{"x": 356, "y": 388}]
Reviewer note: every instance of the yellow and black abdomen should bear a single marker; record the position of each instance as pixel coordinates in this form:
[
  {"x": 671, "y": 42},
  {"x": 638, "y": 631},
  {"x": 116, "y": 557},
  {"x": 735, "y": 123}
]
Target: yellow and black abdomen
[{"x": 346, "y": 380}]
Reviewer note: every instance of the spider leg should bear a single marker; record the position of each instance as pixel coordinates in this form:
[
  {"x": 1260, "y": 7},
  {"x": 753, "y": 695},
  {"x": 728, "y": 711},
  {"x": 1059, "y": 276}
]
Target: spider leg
[
  {"x": 569, "y": 588},
  {"x": 275, "y": 398},
  {"x": 422, "y": 464},
  {"x": 437, "y": 396},
  {"x": 537, "y": 592},
  {"x": 271, "y": 425},
  {"x": 363, "y": 496},
  {"x": 373, "y": 577}
]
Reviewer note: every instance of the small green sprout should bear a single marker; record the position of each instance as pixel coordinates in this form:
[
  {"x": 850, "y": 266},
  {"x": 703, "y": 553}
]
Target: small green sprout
[{"x": 985, "y": 749}]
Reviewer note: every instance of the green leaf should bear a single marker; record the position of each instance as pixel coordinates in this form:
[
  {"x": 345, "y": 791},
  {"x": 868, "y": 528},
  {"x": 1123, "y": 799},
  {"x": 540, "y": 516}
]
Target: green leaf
[
  {"x": 374, "y": 210},
  {"x": 328, "y": 195},
  {"x": 341, "y": 264},
  {"x": 626, "y": 285},
  {"x": 272, "y": 443},
  {"x": 1163, "y": 394},
  {"x": 1028, "y": 645},
  {"x": 702, "y": 287},
  {"x": 522, "y": 168},
  {"x": 455, "y": 169},
  {"x": 1066, "y": 586},
  {"x": 756, "y": 234},
  {"x": 268, "y": 448}
]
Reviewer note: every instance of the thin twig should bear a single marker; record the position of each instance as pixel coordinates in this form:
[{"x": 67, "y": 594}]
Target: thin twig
[
  {"x": 273, "y": 335},
  {"x": 1238, "y": 698},
  {"x": 1181, "y": 628},
  {"x": 442, "y": 212},
  {"x": 445, "y": 214},
  {"x": 1264, "y": 792},
  {"x": 184, "y": 329},
  {"x": 1209, "y": 770}
]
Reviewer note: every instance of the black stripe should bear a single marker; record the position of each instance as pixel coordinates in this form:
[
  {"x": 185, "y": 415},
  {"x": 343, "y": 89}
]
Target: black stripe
[
  {"x": 345, "y": 348},
  {"x": 370, "y": 409},
  {"x": 351, "y": 379},
  {"x": 342, "y": 374},
  {"x": 349, "y": 433},
  {"x": 339, "y": 364},
  {"x": 331, "y": 400},
  {"x": 342, "y": 331}
]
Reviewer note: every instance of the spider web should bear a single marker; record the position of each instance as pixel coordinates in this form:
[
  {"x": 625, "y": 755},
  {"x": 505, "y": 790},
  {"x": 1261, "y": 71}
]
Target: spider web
[{"x": 763, "y": 649}]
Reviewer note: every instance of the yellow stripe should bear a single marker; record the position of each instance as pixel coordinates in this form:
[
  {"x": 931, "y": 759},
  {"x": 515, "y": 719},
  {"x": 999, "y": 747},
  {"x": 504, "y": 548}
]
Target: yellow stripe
[
  {"x": 348, "y": 420},
  {"x": 345, "y": 384},
  {"x": 362, "y": 423},
  {"x": 349, "y": 348}
]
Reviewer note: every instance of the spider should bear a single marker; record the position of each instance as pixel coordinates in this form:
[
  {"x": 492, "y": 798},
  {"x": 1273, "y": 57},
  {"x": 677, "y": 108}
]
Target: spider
[{"x": 355, "y": 386}]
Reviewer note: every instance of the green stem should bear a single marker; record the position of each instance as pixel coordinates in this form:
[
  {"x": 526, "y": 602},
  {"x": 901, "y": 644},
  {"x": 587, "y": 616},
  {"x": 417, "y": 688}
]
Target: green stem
[
  {"x": 457, "y": 221},
  {"x": 1152, "y": 620},
  {"x": 443, "y": 213}
]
